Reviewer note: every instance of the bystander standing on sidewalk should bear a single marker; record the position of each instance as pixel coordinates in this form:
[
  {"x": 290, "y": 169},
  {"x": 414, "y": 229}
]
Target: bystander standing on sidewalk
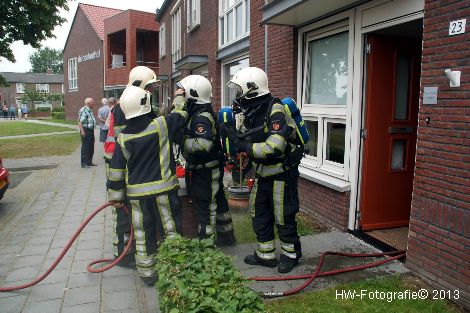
[
  {"x": 12, "y": 112},
  {"x": 87, "y": 123},
  {"x": 5, "y": 111},
  {"x": 103, "y": 114},
  {"x": 24, "y": 111},
  {"x": 19, "y": 113}
]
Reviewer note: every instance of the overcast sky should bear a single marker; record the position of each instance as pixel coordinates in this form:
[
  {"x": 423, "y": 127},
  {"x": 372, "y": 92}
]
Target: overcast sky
[{"x": 22, "y": 52}]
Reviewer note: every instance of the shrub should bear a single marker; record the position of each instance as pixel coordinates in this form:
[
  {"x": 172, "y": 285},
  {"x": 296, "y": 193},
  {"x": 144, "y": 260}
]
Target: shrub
[
  {"x": 42, "y": 109},
  {"x": 58, "y": 115},
  {"x": 196, "y": 277},
  {"x": 58, "y": 109}
]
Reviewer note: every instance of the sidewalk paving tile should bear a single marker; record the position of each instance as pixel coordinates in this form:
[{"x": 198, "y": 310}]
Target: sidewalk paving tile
[
  {"x": 82, "y": 308},
  {"x": 49, "y": 306},
  {"x": 120, "y": 300},
  {"x": 82, "y": 295}
]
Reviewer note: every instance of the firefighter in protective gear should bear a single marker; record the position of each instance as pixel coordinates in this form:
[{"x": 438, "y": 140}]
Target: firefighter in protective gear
[
  {"x": 267, "y": 135},
  {"x": 143, "y": 170},
  {"x": 203, "y": 152},
  {"x": 145, "y": 78}
]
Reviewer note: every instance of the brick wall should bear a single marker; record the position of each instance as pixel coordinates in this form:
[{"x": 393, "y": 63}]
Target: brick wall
[
  {"x": 325, "y": 204},
  {"x": 83, "y": 39},
  {"x": 202, "y": 40},
  {"x": 439, "y": 238},
  {"x": 282, "y": 52}
]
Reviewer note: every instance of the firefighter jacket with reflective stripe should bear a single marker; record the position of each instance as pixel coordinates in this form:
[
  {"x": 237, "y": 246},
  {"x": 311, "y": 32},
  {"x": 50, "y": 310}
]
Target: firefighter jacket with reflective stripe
[
  {"x": 268, "y": 146},
  {"x": 143, "y": 163},
  {"x": 202, "y": 146},
  {"x": 117, "y": 122}
]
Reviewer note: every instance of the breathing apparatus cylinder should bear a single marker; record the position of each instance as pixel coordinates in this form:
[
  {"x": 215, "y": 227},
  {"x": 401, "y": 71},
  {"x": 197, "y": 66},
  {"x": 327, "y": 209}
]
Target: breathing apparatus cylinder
[
  {"x": 226, "y": 116},
  {"x": 294, "y": 112}
]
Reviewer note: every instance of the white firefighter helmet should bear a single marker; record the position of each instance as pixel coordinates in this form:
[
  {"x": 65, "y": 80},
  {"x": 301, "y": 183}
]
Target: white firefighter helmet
[
  {"x": 135, "y": 102},
  {"x": 196, "y": 87},
  {"x": 142, "y": 76},
  {"x": 250, "y": 82}
]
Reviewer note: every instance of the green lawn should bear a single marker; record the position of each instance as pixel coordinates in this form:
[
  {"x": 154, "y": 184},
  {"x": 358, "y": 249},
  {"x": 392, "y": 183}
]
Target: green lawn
[
  {"x": 244, "y": 231},
  {"x": 326, "y": 301},
  {"x": 39, "y": 146},
  {"x": 70, "y": 122},
  {"x": 26, "y": 128}
]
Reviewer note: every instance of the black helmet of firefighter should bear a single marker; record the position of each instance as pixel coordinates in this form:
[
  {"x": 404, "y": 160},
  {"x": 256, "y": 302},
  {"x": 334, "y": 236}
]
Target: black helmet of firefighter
[
  {"x": 197, "y": 89},
  {"x": 250, "y": 83},
  {"x": 135, "y": 102},
  {"x": 142, "y": 77}
]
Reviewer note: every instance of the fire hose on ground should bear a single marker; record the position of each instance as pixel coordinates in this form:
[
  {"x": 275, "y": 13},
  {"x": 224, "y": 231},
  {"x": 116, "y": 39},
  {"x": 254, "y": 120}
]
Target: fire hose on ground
[{"x": 394, "y": 255}]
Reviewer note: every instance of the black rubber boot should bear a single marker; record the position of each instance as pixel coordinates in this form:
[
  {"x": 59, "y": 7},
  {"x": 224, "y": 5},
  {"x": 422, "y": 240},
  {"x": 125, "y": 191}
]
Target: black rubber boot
[
  {"x": 127, "y": 262},
  {"x": 253, "y": 259},
  {"x": 225, "y": 240},
  {"x": 149, "y": 281},
  {"x": 286, "y": 264}
]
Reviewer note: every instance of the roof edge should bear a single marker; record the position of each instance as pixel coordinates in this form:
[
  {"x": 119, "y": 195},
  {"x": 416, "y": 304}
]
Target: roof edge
[{"x": 162, "y": 10}]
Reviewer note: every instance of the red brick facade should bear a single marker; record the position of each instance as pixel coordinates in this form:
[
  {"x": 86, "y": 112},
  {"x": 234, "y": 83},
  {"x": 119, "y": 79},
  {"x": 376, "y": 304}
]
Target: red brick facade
[
  {"x": 325, "y": 204},
  {"x": 439, "y": 238},
  {"x": 82, "y": 40},
  {"x": 202, "y": 40}
]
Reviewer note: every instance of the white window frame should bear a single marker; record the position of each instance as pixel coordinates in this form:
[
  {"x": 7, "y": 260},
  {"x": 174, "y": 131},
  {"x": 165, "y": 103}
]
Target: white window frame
[
  {"x": 162, "y": 38},
  {"x": 222, "y": 72},
  {"x": 72, "y": 73},
  {"x": 20, "y": 87},
  {"x": 40, "y": 88},
  {"x": 175, "y": 33},
  {"x": 223, "y": 13},
  {"x": 322, "y": 113},
  {"x": 193, "y": 16}
]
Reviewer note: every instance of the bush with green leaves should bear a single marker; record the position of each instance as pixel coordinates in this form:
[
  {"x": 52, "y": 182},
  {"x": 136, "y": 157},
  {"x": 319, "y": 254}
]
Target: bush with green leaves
[
  {"x": 58, "y": 109},
  {"x": 43, "y": 109},
  {"x": 196, "y": 277},
  {"x": 58, "y": 115}
]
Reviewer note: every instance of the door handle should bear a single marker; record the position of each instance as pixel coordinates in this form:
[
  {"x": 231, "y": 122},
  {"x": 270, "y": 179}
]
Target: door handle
[{"x": 400, "y": 130}]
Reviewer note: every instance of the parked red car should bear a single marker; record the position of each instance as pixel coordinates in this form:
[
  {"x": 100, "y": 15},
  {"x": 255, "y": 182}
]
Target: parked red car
[{"x": 3, "y": 179}]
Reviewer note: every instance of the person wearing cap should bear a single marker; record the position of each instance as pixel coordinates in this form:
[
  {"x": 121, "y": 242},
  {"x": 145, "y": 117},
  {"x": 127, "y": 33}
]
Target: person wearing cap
[{"x": 143, "y": 170}]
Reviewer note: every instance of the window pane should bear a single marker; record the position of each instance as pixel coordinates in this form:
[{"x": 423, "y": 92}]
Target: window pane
[
  {"x": 222, "y": 33},
  {"x": 312, "y": 143},
  {"x": 230, "y": 26},
  {"x": 335, "y": 142},
  {"x": 398, "y": 154},
  {"x": 247, "y": 13},
  {"x": 239, "y": 26},
  {"x": 401, "y": 87},
  {"x": 230, "y": 70},
  {"x": 328, "y": 81}
]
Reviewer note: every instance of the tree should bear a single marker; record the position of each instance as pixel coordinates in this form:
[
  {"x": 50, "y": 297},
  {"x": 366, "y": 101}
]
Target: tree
[
  {"x": 30, "y": 96},
  {"x": 47, "y": 58},
  {"x": 29, "y": 21}
]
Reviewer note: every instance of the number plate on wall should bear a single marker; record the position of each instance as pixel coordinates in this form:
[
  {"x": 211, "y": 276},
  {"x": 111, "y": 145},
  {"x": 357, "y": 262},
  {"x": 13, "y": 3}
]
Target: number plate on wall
[{"x": 457, "y": 27}]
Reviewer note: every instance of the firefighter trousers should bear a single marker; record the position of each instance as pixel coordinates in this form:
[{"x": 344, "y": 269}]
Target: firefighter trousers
[
  {"x": 121, "y": 222},
  {"x": 275, "y": 201},
  {"x": 210, "y": 203},
  {"x": 160, "y": 214}
]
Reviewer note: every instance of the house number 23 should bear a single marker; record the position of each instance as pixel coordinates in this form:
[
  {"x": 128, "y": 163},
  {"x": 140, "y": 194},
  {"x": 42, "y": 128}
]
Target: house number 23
[{"x": 457, "y": 27}]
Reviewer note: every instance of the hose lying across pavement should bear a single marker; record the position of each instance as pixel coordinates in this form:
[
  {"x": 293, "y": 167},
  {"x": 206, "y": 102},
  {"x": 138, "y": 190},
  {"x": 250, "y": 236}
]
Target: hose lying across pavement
[
  {"x": 69, "y": 244},
  {"x": 309, "y": 277}
]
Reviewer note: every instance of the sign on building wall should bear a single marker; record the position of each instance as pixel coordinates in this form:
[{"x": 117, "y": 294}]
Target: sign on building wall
[{"x": 89, "y": 56}]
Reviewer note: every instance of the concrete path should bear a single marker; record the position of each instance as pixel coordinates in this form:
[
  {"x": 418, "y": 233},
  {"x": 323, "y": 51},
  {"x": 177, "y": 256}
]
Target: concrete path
[
  {"x": 38, "y": 135},
  {"x": 43, "y": 224},
  {"x": 47, "y": 207}
]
